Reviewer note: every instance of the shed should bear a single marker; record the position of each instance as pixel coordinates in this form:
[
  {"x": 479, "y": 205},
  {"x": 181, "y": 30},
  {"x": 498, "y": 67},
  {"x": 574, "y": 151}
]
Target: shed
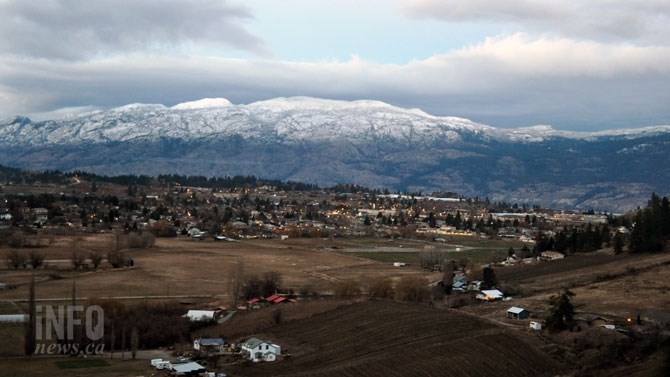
[
  {"x": 201, "y": 315},
  {"x": 517, "y": 313},
  {"x": 13, "y": 318},
  {"x": 591, "y": 319},
  {"x": 188, "y": 369},
  {"x": 492, "y": 294}
]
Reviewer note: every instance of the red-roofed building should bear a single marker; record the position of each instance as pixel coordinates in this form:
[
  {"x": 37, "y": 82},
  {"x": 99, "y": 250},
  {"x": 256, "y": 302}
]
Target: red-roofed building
[{"x": 271, "y": 298}]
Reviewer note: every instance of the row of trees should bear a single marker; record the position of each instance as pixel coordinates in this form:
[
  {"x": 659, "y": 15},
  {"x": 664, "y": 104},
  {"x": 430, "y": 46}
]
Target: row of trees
[{"x": 651, "y": 226}]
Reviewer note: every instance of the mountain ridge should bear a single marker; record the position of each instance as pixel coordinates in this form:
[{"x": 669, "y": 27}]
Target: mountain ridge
[{"x": 365, "y": 142}]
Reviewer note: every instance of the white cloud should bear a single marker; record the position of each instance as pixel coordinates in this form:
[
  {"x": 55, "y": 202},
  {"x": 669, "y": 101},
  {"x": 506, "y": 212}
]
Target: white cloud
[
  {"x": 604, "y": 20},
  {"x": 75, "y": 30},
  {"x": 503, "y": 81}
]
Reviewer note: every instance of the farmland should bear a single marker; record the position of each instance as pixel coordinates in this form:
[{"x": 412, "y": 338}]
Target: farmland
[
  {"x": 382, "y": 338},
  {"x": 334, "y": 337}
]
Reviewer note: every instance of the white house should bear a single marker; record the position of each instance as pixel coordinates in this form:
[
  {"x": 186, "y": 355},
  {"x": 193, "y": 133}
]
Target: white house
[{"x": 260, "y": 350}]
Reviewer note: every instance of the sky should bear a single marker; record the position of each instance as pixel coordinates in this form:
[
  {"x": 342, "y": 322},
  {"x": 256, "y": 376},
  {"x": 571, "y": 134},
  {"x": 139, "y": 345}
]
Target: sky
[{"x": 572, "y": 64}]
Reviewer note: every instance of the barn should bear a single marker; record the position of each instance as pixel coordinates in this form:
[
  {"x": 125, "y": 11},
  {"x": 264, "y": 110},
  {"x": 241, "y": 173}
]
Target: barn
[{"x": 517, "y": 313}]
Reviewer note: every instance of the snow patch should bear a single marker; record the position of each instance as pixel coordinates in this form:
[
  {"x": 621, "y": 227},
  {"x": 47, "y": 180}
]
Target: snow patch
[{"x": 204, "y": 103}]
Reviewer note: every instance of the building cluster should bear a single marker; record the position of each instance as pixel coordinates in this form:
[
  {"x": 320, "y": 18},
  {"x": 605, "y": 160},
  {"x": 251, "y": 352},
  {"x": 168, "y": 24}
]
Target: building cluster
[{"x": 264, "y": 212}]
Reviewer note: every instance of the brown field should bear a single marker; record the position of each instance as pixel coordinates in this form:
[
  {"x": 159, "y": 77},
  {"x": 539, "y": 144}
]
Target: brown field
[
  {"x": 616, "y": 286},
  {"x": 328, "y": 337},
  {"x": 382, "y": 338},
  {"x": 183, "y": 267}
]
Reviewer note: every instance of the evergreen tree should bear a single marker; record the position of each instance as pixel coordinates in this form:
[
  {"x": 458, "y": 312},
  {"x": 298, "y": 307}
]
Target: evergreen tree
[{"x": 561, "y": 312}]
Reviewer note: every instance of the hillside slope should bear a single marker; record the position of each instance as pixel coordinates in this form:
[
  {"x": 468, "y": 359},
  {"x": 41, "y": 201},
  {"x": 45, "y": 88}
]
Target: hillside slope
[{"x": 381, "y": 338}]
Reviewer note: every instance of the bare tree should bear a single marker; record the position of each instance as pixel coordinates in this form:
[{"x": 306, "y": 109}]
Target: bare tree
[
  {"x": 116, "y": 258},
  {"x": 447, "y": 276},
  {"x": 15, "y": 259},
  {"x": 236, "y": 280},
  {"x": 134, "y": 341},
  {"x": 271, "y": 283},
  {"x": 78, "y": 259},
  {"x": 36, "y": 259},
  {"x": 96, "y": 258}
]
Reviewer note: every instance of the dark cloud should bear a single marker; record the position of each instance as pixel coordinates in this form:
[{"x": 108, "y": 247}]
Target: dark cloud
[{"x": 76, "y": 30}]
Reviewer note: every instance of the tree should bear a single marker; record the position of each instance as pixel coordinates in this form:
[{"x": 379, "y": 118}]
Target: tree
[
  {"x": 15, "y": 259},
  {"x": 488, "y": 278},
  {"x": 134, "y": 341},
  {"x": 432, "y": 222},
  {"x": 36, "y": 259},
  {"x": 271, "y": 283},
  {"x": 96, "y": 258},
  {"x": 236, "y": 282},
  {"x": 116, "y": 258},
  {"x": 78, "y": 260},
  {"x": 447, "y": 282},
  {"x": 618, "y": 243},
  {"x": 561, "y": 311}
]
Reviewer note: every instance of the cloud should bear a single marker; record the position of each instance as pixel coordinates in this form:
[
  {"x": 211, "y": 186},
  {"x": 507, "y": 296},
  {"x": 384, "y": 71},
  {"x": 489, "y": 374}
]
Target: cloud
[
  {"x": 514, "y": 80},
  {"x": 79, "y": 30},
  {"x": 603, "y": 20}
]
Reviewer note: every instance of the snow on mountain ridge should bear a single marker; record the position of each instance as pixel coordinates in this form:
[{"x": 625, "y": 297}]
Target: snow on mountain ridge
[
  {"x": 291, "y": 119},
  {"x": 204, "y": 103}
]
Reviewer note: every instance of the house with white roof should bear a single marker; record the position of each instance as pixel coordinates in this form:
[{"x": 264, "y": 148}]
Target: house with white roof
[{"x": 201, "y": 315}]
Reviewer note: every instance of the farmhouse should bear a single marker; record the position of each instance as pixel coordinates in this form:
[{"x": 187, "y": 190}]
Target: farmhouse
[
  {"x": 517, "y": 313},
  {"x": 260, "y": 350},
  {"x": 209, "y": 345}
]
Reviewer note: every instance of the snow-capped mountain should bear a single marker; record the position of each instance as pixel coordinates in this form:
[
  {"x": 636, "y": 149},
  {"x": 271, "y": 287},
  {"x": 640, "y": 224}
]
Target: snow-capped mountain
[{"x": 366, "y": 142}]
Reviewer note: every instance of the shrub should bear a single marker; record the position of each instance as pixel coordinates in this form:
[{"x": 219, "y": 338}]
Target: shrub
[
  {"x": 413, "y": 289},
  {"x": 347, "y": 288}
]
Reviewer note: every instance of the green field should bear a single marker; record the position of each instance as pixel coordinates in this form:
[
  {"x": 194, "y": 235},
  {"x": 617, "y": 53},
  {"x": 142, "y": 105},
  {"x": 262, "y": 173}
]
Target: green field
[
  {"x": 474, "y": 255},
  {"x": 390, "y": 257}
]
